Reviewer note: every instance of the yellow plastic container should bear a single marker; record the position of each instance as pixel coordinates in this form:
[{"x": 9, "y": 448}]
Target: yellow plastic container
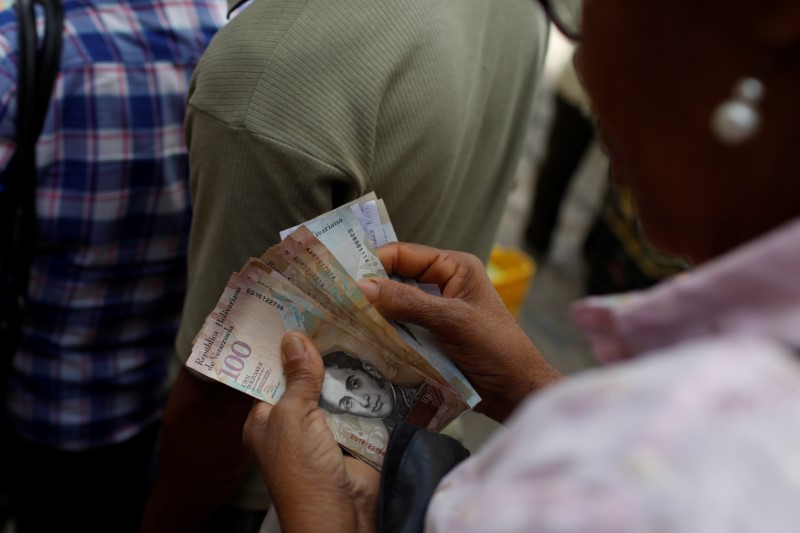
[{"x": 511, "y": 272}]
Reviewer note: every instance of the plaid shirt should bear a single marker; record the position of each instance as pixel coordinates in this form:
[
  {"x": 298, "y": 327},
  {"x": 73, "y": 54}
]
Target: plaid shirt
[{"x": 113, "y": 217}]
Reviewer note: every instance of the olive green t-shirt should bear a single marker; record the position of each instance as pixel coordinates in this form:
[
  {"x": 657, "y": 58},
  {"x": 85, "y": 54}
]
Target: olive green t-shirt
[{"x": 300, "y": 105}]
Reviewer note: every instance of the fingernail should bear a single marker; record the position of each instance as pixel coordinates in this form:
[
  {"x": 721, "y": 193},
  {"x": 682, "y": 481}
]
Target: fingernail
[
  {"x": 369, "y": 288},
  {"x": 292, "y": 348}
]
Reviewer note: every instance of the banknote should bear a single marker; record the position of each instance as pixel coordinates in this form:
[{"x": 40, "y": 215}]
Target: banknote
[
  {"x": 344, "y": 312},
  {"x": 321, "y": 268},
  {"x": 239, "y": 343},
  {"x": 373, "y": 216},
  {"x": 365, "y": 393},
  {"x": 369, "y": 216},
  {"x": 341, "y": 232}
]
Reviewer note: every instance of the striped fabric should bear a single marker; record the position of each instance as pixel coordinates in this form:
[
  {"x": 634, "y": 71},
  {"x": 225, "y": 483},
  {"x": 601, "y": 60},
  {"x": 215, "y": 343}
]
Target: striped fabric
[{"x": 113, "y": 215}]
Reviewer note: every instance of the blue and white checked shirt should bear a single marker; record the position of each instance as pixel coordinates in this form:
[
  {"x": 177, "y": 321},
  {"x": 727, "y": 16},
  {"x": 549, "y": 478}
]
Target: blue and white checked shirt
[{"x": 113, "y": 215}]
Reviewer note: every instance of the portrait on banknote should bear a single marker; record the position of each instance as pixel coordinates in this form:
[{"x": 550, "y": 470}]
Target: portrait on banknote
[{"x": 356, "y": 387}]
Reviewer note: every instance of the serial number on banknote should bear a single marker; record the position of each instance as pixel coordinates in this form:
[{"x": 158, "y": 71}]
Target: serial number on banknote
[{"x": 266, "y": 299}]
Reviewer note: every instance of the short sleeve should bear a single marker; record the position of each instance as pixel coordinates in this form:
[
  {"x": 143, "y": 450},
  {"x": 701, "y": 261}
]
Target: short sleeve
[{"x": 245, "y": 189}]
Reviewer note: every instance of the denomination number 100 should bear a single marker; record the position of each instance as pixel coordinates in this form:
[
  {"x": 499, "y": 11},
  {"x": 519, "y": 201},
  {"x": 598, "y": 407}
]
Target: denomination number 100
[{"x": 234, "y": 361}]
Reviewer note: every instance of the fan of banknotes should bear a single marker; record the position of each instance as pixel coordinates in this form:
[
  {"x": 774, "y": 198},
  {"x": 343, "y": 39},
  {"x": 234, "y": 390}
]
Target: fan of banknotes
[{"x": 377, "y": 373}]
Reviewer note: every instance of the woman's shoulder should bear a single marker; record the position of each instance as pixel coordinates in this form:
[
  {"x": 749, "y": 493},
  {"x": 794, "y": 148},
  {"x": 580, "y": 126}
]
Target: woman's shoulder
[{"x": 722, "y": 376}]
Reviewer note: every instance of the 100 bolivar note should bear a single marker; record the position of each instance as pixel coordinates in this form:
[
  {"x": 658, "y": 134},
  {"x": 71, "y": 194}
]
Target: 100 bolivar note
[{"x": 373, "y": 379}]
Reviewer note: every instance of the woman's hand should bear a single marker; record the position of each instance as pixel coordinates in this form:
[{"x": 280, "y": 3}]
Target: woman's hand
[
  {"x": 311, "y": 481},
  {"x": 469, "y": 321}
]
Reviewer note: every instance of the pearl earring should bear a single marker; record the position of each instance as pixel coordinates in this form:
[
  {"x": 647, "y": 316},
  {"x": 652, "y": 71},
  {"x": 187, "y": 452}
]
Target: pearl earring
[{"x": 737, "y": 120}]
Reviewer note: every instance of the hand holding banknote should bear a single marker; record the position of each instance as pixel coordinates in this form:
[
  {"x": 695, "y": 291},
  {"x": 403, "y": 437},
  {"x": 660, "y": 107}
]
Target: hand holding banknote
[
  {"x": 469, "y": 320},
  {"x": 299, "y": 458},
  {"x": 377, "y": 374}
]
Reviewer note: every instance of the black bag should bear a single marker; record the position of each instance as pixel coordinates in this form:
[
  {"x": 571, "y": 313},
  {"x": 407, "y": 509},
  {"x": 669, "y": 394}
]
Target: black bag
[
  {"x": 416, "y": 460},
  {"x": 38, "y": 67}
]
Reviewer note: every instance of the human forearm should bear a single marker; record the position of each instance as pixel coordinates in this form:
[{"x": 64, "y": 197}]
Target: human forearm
[
  {"x": 201, "y": 458},
  {"x": 500, "y": 359},
  {"x": 534, "y": 373}
]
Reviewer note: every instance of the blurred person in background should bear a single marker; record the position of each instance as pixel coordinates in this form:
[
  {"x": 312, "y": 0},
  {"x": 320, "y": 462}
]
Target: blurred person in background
[
  {"x": 570, "y": 135},
  {"x": 695, "y": 426},
  {"x": 87, "y": 385}
]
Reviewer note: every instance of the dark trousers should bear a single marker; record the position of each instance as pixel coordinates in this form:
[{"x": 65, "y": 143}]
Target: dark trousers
[
  {"x": 104, "y": 489},
  {"x": 570, "y": 135}
]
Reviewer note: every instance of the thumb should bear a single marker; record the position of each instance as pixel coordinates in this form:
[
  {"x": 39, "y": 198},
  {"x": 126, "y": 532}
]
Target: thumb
[
  {"x": 406, "y": 303},
  {"x": 302, "y": 366}
]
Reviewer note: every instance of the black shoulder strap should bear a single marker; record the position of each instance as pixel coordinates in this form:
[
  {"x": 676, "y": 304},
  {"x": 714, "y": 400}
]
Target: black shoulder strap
[
  {"x": 38, "y": 68},
  {"x": 39, "y": 61}
]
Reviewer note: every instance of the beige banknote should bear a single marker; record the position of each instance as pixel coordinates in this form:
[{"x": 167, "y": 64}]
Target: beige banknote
[
  {"x": 239, "y": 343},
  {"x": 372, "y": 215},
  {"x": 307, "y": 254}
]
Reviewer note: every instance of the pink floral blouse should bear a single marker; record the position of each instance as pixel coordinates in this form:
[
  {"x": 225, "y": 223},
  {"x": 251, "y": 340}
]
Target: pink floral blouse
[{"x": 698, "y": 430}]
